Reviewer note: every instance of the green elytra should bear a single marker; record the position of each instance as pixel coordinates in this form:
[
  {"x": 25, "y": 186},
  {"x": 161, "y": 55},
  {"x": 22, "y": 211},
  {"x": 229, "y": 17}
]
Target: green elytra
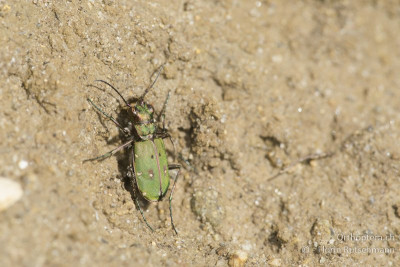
[{"x": 149, "y": 158}]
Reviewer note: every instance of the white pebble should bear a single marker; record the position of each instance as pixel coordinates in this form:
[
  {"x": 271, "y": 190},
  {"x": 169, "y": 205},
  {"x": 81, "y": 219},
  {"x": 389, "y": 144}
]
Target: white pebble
[
  {"x": 277, "y": 58},
  {"x": 10, "y": 192},
  {"x": 275, "y": 262},
  {"x": 22, "y": 164}
]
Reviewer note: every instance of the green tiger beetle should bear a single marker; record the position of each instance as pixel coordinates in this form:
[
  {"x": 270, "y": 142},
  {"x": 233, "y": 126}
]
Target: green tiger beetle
[{"x": 149, "y": 158}]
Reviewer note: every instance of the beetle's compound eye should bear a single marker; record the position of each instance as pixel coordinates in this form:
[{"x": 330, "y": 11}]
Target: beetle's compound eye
[{"x": 150, "y": 108}]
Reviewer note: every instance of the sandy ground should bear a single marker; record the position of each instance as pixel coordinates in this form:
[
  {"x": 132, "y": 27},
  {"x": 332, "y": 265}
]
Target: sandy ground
[{"x": 284, "y": 115}]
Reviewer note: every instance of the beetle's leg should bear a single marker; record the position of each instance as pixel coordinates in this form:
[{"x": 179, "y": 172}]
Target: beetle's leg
[
  {"x": 125, "y": 130},
  {"x": 164, "y": 134},
  {"x": 161, "y": 116},
  {"x": 110, "y": 153},
  {"x": 135, "y": 192},
  {"x": 137, "y": 204},
  {"x": 172, "y": 167}
]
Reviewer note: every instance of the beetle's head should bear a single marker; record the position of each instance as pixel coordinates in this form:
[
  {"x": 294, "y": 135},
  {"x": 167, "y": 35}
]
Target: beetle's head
[{"x": 143, "y": 120}]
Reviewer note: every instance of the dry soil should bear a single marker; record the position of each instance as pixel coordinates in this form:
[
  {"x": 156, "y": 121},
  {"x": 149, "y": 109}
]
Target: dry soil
[{"x": 284, "y": 116}]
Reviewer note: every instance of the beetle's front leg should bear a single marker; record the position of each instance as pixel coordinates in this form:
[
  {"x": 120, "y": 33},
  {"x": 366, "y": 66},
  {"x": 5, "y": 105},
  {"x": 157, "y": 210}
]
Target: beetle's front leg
[
  {"x": 164, "y": 134},
  {"x": 161, "y": 116},
  {"x": 124, "y": 130}
]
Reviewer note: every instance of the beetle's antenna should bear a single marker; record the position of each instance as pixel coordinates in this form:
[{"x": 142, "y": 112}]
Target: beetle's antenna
[
  {"x": 115, "y": 91},
  {"x": 151, "y": 86}
]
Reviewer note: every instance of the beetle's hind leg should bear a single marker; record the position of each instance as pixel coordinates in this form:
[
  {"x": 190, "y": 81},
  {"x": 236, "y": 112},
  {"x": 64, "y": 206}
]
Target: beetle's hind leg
[
  {"x": 173, "y": 167},
  {"x": 124, "y": 130}
]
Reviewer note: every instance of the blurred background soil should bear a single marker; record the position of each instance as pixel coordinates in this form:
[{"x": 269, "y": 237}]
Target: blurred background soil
[{"x": 284, "y": 115}]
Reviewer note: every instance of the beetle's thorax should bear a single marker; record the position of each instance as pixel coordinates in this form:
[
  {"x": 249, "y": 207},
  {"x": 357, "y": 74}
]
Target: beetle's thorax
[{"x": 143, "y": 120}]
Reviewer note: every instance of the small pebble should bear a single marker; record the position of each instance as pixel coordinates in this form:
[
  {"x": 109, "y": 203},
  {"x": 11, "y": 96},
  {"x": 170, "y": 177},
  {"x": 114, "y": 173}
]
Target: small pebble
[
  {"x": 10, "y": 192},
  {"x": 237, "y": 259},
  {"x": 275, "y": 262},
  {"x": 321, "y": 232},
  {"x": 23, "y": 164},
  {"x": 277, "y": 58}
]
